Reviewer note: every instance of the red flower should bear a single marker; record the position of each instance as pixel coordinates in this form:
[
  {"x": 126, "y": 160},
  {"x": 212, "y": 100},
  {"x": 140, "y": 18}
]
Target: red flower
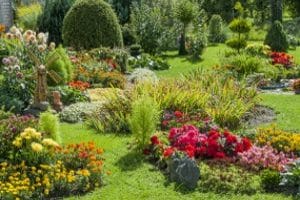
[
  {"x": 239, "y": 148},
  {"x": 165, "y": 123},
  {"x": 178, "y": 114},
  {"x": 190, "y": 150},
  {"x": 230, "y": 139},
  {"x": 220, "y": 155},
  {"x": 246, "y": 144},
  {"x": 146, "y": 152},
  {"x": 154, "y": 140},
  {"x": 168, "y": 152}
]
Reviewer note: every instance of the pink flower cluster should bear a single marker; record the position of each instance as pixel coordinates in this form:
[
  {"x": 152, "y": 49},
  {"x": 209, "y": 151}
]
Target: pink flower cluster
[
  {"x": 214, "y": 144},
  {"x": 258, "y": 158}
]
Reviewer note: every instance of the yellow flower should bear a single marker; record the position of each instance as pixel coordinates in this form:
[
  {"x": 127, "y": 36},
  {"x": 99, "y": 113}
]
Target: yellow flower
[
  {"x": 36, "y": 147},
  {"x": 50, "y": 142},
  {"x": 17, "y": 142}
]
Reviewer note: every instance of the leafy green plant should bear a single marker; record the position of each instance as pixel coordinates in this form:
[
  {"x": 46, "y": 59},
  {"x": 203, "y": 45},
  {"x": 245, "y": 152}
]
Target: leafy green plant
[
  {"x": 215, "y": 30},
  {"x": 151, "y": 62},
  {"x": 27, "y": 16},
  {"x": 239, "y": 27},
  {"x": 70, "y": 95},
  {"x": 185, "y": 12},
  {"x": 62, "y": 66},
  {"x": 49, "y": 125},
  {"x": 112, "y": 79},
  {"x": 224, "y": 178},
  {"x": 276, "y": 38},
  {"x": 270, "y": 180},
  {"x": 143, "y": 120},
  {"x": 82, "y": 27},
  {"x": 197, "y": 45}
]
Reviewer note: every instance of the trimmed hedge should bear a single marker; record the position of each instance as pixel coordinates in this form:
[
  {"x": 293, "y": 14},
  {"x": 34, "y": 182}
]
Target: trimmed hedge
[{"x": 91, "y": 24}]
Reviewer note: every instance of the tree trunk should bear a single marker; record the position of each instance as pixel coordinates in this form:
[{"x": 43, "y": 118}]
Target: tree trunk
[
  {"x": 6, "y": 13},
  {"x": 182, "y": 49},
  {"x": 277, "y": 9}
]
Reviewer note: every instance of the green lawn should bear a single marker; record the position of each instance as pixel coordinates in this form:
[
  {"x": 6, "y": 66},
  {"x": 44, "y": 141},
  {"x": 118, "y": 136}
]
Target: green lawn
[
  {"x": 131, "y": 177},
  {"x": 288, "y": 108},
  {"x": 183, "y": 64}
]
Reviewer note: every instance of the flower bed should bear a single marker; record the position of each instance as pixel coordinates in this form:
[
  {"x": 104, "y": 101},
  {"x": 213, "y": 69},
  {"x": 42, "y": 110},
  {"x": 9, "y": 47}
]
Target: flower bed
[
  {"x": 35, "y": 167},
  {"x": 282, "y": 58}
]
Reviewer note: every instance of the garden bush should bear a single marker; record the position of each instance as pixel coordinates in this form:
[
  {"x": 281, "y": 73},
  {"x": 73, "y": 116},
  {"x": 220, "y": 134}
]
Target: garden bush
[
  {"x": 78, "y": 112},
  {"x": 49, "y": 125},
  {"x": 114, "y": 114},
  {"x": 215, "y": 30},
  {"x": 143, "y": 120},
  {"x": 157, "y": 63},
  {"x": 70, "y": 95},
  {"x": 240, "y": 27},
  {"x": 197, "y": 45},
  {"x": 276, "y": 38},
  {"x": 228, "y": 179},
  {"x": 51, "y": 19},
  {"x": 129, "y": 36},
  {"x": 62, "y": 66},
  {"x": 112, "y": 79},
  {"x": 91, "y": 24},
  {"x": 142, "y": 75},
  {"x": 270, "y": 180}
]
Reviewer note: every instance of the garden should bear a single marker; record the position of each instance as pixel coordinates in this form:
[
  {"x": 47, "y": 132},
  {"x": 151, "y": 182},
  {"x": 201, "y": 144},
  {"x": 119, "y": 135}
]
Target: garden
[{"x": 161, "y": 99}]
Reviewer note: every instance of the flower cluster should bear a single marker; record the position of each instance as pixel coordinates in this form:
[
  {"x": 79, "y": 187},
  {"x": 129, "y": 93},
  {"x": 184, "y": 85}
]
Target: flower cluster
[
  {"x": 40, "y": 168},
  {"x": 258, "y": 158},
  {"x": 79, "y": 85},
  {"x": 212, "y": 144},
  {"x": 178, "y": 119},
  {"x": 282, "y": 58},
  {"x": 279, "y": 139},
  {"x": 38, "y": 182}
]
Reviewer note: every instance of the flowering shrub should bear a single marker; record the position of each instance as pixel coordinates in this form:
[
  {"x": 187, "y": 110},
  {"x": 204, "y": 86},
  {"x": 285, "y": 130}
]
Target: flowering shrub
[
  {"x": 79, "y": 85},
  {"x": 212, "y": 144},
  {"x": 258, "y": 158},
  {"x": 279, "y": 139},
  {"x": 9, "y": 129},
  {"x": 41, "y": 168},
  {"x": 282, "y": 58}
]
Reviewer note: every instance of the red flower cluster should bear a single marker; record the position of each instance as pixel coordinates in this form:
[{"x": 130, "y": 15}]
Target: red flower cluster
[
  {"x": 282, "y": 58},
  {"x": 214, "y": 144},
  {"x": 111, "y": 63},
  {"x": 79, "y": 85}
]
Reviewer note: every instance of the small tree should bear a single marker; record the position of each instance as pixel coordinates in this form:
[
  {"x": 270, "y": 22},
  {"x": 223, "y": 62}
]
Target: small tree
[
  {"x": 276, "y": 38},
  {"x": 143, "y": 120},
  {"x": 215, "y": 30},
  {"x": 185, "y": 12},
  {"x": 240, "y": 27}
]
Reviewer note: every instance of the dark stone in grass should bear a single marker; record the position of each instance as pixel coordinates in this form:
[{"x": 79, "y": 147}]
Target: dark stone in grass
[
  {"x": 184, "y": 170},
  {"x": 259, "y": 115}
]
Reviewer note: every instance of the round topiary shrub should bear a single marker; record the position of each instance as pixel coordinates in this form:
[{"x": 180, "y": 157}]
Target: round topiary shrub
[
  {"x": 91, "y": 24},
  {"x": 276, "y": 38}
]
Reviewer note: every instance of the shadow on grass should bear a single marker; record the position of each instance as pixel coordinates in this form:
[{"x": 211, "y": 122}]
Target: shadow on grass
[
  {"x": 178, "y": 187},
  {"x": 131, "y": 161}
]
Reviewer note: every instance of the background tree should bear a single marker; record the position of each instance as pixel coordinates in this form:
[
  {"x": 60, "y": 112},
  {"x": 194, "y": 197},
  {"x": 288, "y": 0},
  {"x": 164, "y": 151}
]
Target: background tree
[
  {"x": 215, "y": 30},
  {"x": 293, "y": 6},
  {"x": 52, "y": 17},
  {"x": 276, "y": 38},
  {"x": 277, "y": 10},
  {"x": 185, "y": 12},
  {"x": 240, "y": 27}
]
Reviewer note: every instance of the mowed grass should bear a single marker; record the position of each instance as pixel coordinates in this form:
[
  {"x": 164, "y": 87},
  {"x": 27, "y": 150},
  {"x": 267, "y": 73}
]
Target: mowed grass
[
  {"x": 287, "y": 108},
  {"x": 184, "y": 64},
  {"x": 133, "y": 178}
]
